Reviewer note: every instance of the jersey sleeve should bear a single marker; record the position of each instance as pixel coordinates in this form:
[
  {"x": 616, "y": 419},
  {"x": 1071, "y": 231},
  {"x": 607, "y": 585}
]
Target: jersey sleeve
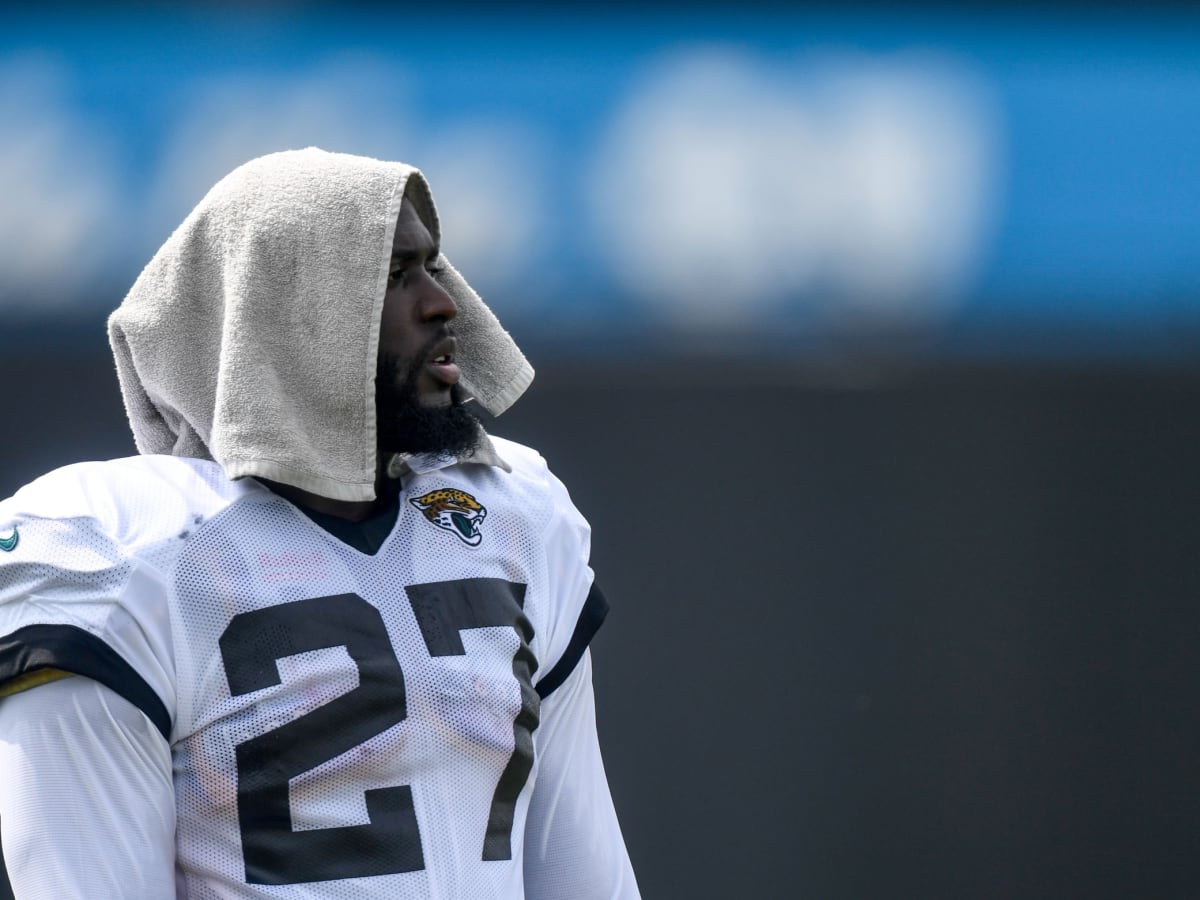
[
  {"x": 72, "y": 598},
  {"x": 573, "y": 842},
  {"x": 578, "y": 607},
  {"x": 87, "y": 806}
]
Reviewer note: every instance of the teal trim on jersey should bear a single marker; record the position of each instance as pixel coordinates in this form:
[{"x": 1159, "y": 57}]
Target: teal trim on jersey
[{"x": 9, "y": 544}]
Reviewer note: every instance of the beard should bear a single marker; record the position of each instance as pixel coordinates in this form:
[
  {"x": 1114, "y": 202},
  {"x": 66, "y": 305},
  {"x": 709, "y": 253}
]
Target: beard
[{"x": 408, "y": 426}]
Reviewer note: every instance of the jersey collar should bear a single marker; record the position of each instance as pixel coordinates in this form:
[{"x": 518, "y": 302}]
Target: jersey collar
[{"x": 484, "y": 454}]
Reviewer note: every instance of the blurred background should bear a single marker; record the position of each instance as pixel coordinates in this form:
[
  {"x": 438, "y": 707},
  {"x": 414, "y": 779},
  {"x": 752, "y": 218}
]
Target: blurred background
[{"x": 867, "y": 338}]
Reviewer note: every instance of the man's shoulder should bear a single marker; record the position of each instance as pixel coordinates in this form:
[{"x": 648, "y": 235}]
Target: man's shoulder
[
  {"x": 527, "y": 470},
  {"x": 86, "y": 488},
  {"x": 531, "y": 475},
  {"x": 524, "y": 460},
  {"x": 128, "y": 499}
]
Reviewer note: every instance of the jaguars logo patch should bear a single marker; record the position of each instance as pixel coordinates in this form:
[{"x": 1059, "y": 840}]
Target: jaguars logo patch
[{"x": 454, "y": 511}]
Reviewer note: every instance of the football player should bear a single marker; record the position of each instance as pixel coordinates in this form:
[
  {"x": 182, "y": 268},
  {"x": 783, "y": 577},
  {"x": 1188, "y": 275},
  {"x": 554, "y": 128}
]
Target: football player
[{"x": 324, "y": 637}]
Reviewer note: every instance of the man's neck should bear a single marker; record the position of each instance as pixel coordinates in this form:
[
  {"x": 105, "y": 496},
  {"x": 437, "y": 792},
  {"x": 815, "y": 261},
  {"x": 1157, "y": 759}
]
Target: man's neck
[{"x": 352, "y": 510}]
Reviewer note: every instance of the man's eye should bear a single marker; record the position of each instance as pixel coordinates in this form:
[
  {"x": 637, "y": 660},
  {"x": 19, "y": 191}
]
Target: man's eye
[
  {"x": 435, "y": 269},
  {"x": 398, "y": 275}
]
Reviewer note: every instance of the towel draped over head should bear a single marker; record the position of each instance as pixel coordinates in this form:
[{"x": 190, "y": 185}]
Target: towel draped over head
[{"x": 252, "y": 336}]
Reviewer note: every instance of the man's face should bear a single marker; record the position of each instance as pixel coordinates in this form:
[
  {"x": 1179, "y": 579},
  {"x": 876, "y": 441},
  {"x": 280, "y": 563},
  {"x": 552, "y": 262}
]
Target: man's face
[{"x": 416, "y": 390}]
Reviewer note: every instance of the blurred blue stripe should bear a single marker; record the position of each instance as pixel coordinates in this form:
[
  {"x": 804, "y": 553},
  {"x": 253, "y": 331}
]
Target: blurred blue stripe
[{"x": 1098, "y": 215}]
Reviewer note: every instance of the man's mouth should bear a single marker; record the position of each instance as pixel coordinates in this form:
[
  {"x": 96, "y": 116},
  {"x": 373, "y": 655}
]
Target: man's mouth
[{"x": 441, "y": 362}]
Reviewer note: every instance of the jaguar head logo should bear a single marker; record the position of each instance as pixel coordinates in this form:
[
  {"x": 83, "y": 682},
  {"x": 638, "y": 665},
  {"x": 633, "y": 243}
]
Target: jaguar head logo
[{"x": 454, "y": 511}]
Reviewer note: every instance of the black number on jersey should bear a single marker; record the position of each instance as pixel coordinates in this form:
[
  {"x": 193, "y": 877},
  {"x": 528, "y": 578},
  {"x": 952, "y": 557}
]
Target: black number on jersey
[
  {"x": 444, "y": 609},
  {"x": 275, "y": 854}
]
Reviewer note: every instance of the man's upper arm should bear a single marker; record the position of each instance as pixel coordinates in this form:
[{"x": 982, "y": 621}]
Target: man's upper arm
[
  {"x": 577, "y": 607},
  {"x": 87, "y": 805},
  {"x": 75, "y": 598},
  {"x": 86, "y": 799},
  {"x": 573, "y": 842}
]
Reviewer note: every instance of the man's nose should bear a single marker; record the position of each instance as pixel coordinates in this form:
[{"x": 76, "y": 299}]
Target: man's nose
[{"x": 436, "y": 302}]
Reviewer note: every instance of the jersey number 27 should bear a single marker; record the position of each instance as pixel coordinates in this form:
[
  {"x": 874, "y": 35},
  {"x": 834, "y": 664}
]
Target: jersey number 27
[{"x": 391, "y": 841}]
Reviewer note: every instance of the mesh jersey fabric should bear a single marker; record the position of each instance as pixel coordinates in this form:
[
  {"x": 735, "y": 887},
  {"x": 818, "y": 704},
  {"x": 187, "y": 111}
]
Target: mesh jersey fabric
[
  {"x": 343, "y": 724},
  {"x": 88, "y": 809}
]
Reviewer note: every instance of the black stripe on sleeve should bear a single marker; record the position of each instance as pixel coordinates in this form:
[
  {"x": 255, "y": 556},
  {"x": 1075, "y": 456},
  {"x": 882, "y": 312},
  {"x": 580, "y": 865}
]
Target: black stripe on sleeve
[
  {"x": 591, "y": 617},
  {"x": 80, "y": 653}
]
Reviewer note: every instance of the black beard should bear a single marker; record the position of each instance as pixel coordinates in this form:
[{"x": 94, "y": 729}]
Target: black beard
[{"x": 408, "y": 426}]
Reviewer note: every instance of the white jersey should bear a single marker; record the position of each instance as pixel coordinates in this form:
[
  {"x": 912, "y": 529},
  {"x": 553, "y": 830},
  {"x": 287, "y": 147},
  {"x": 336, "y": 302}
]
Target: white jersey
[{"x": 341, "y": 723}]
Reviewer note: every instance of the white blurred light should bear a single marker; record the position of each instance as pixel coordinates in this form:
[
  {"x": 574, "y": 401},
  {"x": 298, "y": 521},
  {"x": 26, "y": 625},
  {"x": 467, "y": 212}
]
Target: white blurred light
[
  {"x": 481, "y": 172},
  {"x": 485, "y": 178},
  {"x": 862, "y": 187},
  {"x": 226, "y": 121},
  {"x": 58, "y": 188}
]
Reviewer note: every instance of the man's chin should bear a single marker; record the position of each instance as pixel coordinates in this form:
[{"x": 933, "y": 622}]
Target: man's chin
[
  {"x": 449, "y": 428},
  {"x": 437, "y": 400}
]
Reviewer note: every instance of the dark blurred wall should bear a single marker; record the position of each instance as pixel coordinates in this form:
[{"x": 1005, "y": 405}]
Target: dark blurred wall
[{"x": 928, "y": 634}]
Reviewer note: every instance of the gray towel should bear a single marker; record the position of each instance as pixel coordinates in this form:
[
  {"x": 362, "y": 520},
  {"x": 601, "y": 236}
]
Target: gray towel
[{"x": 251, "y": 337}]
